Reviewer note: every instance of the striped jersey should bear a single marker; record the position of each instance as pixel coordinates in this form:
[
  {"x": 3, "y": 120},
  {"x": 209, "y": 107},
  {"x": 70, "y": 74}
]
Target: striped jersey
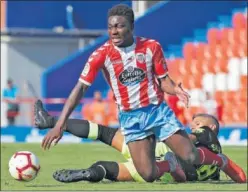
[{"x": 131, "y": 72}]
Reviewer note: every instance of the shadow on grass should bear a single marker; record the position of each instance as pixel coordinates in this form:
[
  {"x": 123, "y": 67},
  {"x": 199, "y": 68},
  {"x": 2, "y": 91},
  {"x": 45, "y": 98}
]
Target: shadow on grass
[
  {"x": 203, "y": 182},
  {"x": 44, "y": 185}
]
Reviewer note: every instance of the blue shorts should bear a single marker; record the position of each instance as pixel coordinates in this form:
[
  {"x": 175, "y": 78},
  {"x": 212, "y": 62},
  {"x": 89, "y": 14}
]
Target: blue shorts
[{"x": 140, "y": 123}]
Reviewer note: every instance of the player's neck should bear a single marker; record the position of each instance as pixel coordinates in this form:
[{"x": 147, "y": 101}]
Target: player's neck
[{"x": 128, "y": 43}]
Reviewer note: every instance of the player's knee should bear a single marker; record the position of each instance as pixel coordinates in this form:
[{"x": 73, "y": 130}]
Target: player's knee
[
  {"x": 189, "y": 156},
  {"x": 111, "y": 169},
  {"x": 148, "y": 176},
  {"x": 97, "y": 163}
]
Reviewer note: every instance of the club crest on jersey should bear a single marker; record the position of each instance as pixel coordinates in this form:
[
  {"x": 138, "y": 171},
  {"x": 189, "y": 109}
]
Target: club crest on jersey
[
  {"x": 130, "y": 59},
  {"x": 140, "y": 57},
  {"x": 132, "y": 76},
  {"x": 86, "y": 69}
]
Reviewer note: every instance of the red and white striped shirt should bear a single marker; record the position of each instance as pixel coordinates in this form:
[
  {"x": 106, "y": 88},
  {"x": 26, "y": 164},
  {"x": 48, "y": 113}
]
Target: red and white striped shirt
[{"x": 130, "y": 71}]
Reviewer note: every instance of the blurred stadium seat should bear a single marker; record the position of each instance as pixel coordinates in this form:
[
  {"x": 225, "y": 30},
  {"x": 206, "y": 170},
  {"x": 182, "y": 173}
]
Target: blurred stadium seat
[
  {"x": 220, "y": 65},
  {"x": 217, "y": 63}
]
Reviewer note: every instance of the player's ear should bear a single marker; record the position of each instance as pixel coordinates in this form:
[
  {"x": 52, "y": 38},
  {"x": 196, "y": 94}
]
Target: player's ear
[{"x": 212, "y": 127}]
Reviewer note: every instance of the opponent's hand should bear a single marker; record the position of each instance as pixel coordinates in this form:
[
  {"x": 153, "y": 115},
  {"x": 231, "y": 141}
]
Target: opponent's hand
[
  {"x": 54, "y": 134},
  {"x": 182, "y": 95}
]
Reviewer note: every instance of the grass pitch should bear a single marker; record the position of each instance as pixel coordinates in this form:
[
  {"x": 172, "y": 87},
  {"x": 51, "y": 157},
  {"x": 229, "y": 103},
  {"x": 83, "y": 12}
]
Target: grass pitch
[{"x": 83, "y": 155}]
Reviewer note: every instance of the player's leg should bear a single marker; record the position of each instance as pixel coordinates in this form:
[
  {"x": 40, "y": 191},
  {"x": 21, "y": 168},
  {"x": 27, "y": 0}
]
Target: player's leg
[
  {"x": 98, "y": 171},
  {"x": 143, "y": 156},
  {"x": 189, "y": 169},
  {"x": 182, "y": 146},
  {"x": 118, "y": 141},
  {"x": 128, "y": 172},
  {"x": 142, "y": 153},
  {"x": 80, "y": 128},
  {"x": 137, "y": 127},
  {"x": 202, "y": 155},
  {"x": 124, "y": 173}
]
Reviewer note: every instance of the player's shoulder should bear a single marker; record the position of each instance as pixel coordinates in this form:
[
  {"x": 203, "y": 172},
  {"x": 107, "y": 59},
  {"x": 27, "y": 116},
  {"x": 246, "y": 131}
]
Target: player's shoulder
[
  {"x": 101, "y": 51},
  {"x": 148, "y": 42},
  {"x": 103, "y": 47}
]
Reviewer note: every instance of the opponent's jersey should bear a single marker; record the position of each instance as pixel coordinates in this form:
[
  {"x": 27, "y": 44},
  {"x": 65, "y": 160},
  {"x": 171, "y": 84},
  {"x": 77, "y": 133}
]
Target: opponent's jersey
[
  {"x": 131, "y": 72},
  {"x": 207, "y": 138}
]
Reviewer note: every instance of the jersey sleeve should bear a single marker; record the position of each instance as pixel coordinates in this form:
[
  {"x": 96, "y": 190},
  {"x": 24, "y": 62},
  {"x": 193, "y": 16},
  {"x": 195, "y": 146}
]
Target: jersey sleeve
[
  {"x": 159, "y": 62},
  {"x": 93, "y": 65}
]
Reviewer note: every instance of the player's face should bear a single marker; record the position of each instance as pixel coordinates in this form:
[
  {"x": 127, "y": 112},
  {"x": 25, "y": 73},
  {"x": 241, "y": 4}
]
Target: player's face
[
  {"x": 199, "y": 122},
  {"x": 120, "y": 31}
]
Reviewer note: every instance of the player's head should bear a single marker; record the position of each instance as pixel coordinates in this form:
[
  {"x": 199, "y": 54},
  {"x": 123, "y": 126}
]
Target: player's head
[
  {"x": 97, "y": 96},
  {"x": 10, "y": 83},
  {"x": 202, "y": 119},
  {"x": 120, "y": 25}
]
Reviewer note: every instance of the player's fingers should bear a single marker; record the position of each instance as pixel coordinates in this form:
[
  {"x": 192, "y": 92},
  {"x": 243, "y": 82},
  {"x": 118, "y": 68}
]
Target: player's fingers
[
  {"x": 186, "y": 96},
  {"x": 44, "y": 142},
  {"x": 57, "y": 140},
  {"x": 186, "y": 93},
  {"x": 187, "y": 102},
  {"x": 50, "y": 142},
  {"x": 184, "y": 100},
  {"x": 180, "y": 85}
]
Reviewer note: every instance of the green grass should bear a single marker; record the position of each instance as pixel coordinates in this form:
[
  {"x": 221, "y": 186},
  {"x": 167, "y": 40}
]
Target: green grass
[{"x": 83, "y": 155}]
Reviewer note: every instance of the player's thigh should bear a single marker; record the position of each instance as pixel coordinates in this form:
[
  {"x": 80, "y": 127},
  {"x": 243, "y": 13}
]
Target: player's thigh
[
  {"x": 118, "y": 141},
  {"x": 143, "y": 154},
  {"x": 128, "y": 172},
  {"x": 181, "y": 145}
]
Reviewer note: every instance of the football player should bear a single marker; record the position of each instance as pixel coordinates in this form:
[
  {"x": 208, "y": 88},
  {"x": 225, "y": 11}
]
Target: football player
[{"x": 205, "y": 129}]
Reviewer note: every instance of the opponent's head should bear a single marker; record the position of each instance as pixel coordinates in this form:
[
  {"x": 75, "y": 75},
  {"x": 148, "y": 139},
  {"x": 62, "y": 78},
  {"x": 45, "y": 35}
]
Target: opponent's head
[
  {"x": 120, "y": 25},
  {"x": 202, "y": 119}
]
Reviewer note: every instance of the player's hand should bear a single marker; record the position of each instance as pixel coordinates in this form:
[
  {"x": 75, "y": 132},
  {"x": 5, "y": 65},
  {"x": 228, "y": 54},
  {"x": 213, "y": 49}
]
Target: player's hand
[
  {"x": 54, "y": 135},
  {"x": 182, "y": 95}
]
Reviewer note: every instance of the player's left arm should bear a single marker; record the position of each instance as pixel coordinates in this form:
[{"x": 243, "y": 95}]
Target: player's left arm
[{"x": 161, "y": 71}]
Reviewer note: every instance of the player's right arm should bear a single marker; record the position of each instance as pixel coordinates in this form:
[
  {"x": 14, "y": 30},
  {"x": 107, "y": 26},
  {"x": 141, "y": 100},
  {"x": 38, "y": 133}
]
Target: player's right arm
[
  {"x": 71, "y": 103},
  {"x": 95, "y": 62}
]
